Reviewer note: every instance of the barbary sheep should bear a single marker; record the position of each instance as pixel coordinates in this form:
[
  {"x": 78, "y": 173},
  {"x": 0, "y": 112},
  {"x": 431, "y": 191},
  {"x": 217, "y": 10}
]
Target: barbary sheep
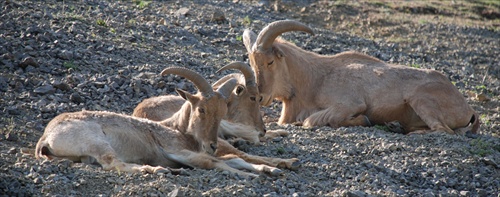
[
  {"x": 350, "y": 88},
  {"x": 131, "y": 144},
  {"x": 241, "y": 107},
  {"x": 243, "y": 119}
]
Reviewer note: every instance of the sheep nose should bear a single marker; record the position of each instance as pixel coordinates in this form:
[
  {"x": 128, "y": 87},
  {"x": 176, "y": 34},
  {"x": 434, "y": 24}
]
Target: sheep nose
[
  {"x": 213, "y": 146},
  {"x": 260, "y": 99}
]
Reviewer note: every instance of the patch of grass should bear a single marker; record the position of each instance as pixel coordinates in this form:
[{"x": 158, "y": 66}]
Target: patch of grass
[
  {"x": 142, "y": 4},
  {"x": 281, "y": 150},
  {"x": 239, "y": 38},
  {"x": 101, "y": 22},
  {"x": 422, "y": 21},
  {"x": 131, "y": 22},
  {"x": 414, "y": 65},
  {"x": 481, "y": 148},
  {"x": 113, "y": 30},
  {"x": 382, "y": 127},
  {"x": 486, "y": 121},
  {"x": 247, "y": 21},
  {"x": 69, "y": 65}
]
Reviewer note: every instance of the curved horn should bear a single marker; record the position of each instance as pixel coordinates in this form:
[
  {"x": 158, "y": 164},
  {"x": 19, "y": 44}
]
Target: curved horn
[
  {"x": 266, "y": 37},
  {"x": 244, "y": 68},
  {"x": 222, "y": 80},
  {"x": 226, "y": 88},
  {"x": 203, "y": 86}
]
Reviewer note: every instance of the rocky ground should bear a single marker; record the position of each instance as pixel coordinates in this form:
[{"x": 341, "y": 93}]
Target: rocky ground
[{"x": 62, "y": 56}]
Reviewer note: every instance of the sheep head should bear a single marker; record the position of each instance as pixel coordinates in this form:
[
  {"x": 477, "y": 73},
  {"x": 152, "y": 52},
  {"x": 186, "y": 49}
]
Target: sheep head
[
  {"x": 244, "y": 106},
  {"x": 267, "y": 58},
  {"x": 208, "y": 107}
]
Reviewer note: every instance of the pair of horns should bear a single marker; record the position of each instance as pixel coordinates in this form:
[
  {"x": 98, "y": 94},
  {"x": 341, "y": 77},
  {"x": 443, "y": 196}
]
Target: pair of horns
[
  {"x": 267, "y": 36},
  {"x": 201, "y": 83}
]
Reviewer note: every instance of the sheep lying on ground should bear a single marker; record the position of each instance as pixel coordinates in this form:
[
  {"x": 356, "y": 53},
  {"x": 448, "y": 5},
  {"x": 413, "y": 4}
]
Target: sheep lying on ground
[
  {"x": 243, "y": 119},
  {"x": 350, "y": 88},
  {"x": 131, "y": 144},
  {"x": 242, "y": 101}
]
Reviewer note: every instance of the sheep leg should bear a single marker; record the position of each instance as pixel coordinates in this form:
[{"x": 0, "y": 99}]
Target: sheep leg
[
  {"x": 339, "y": 115},
  {"x": 204, "y": 161},
  {"x": 239, "y": 163},
  {"x": 226, "y": 152},
  {"x": 429, "y": 111}
]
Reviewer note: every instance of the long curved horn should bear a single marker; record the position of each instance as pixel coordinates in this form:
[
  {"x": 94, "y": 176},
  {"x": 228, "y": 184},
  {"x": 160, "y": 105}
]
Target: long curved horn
[
  {"x": 244, "y": 68},
  {"x": 267, "y": 36},
  {"x": 203, "y": 86},
  {"x": 226, "y": 88},
  {"x": 222, "y": 80}
]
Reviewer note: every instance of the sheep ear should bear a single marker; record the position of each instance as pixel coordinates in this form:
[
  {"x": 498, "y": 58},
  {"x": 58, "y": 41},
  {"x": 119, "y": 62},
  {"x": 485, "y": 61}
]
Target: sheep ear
[
  {"x": 277, "y": 52},
  {"x": 186, "y": 95},
  {"x": 249, "y": 38},
  {"x": 239, "y": 90}
]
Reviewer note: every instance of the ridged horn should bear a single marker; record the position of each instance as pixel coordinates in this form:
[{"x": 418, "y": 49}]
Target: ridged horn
[
  {"x": 267, "y": 36},
  {"x": 243, "y": 68},
  {"x": 226, "y": 88},
  {"x": 222, "y": 80},
  {"x": 203, "y": 86}
]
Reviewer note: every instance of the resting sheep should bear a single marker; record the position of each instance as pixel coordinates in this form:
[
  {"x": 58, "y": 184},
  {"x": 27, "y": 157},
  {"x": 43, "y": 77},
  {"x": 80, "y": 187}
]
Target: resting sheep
[
  {"x": 243, "y": 112},
  {"x": 350, "y": 88},
  {"x": 131, "y": 144},
  {"x": 243, "y": 119}
]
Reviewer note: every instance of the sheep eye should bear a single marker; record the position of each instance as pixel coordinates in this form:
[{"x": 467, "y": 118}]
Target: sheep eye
[
  {"x": 252, "y": 98},
  {"x": 201, "y": 110},
  {"x": 269, "y": 64}
]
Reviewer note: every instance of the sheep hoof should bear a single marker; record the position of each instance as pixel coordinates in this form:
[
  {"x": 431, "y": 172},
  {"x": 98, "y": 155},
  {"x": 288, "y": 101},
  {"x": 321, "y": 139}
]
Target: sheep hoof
[
  {"x": 471, "y": 135},
  {"x": 179, "y": 171},
  {"x": 295, "y": 165},
  {"x": 275, "y": 172}
]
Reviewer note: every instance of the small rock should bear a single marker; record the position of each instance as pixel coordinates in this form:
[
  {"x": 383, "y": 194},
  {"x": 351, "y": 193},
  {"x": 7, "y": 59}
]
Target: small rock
[
  {"x": 182, "y": 12},
  {"x": 28, "y": 61},
  {"x": 12, "y": 150},
  {"x": 61, "y": 85},
  {"x": 11, "y": 137},
  {"x": 76, "y": 98},
  {"x": 45, "y": 89},
  {"x": 218, "y": 16}
]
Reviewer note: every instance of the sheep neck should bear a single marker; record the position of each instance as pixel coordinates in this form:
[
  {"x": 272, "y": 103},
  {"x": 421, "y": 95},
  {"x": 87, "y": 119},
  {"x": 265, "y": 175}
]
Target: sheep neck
[{"x": 305, "y": 73}]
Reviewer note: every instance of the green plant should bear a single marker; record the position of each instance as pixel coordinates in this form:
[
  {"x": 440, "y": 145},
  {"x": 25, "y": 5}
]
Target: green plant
[
  {"x": 239, "y": 38},
  {"x": 247, "y": 21},
  {"x": 142, "y": 4},
  {"x": 101, "y": 22},
  {"x": 281, "y": 150},
  {"x": 481, "y": 148},
  {"x": 414, "y": 65},
  {"x": 382, "y": 127},
  {"x": 69, "y": 65}
]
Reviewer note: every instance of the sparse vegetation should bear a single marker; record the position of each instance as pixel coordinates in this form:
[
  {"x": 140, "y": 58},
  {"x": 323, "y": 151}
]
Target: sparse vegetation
[
  {"x": 481, "y": 148},
  {"x": 142, "y": 4},
  {"x": 101, "y": 22},
  {"x": 69, "y": 64},
  {"x": 247, "y": 21}
]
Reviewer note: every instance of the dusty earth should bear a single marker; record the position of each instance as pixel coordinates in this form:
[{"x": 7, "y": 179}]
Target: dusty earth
[{"x": 63, "y": 56}]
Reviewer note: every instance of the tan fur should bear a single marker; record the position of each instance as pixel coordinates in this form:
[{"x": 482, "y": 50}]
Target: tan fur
[
  {"x": 131, "y": 144},
  {"x": 243, "y": 119},
  {"x": 158, "y": 108},
  {"x": 344, "y": 89}
]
